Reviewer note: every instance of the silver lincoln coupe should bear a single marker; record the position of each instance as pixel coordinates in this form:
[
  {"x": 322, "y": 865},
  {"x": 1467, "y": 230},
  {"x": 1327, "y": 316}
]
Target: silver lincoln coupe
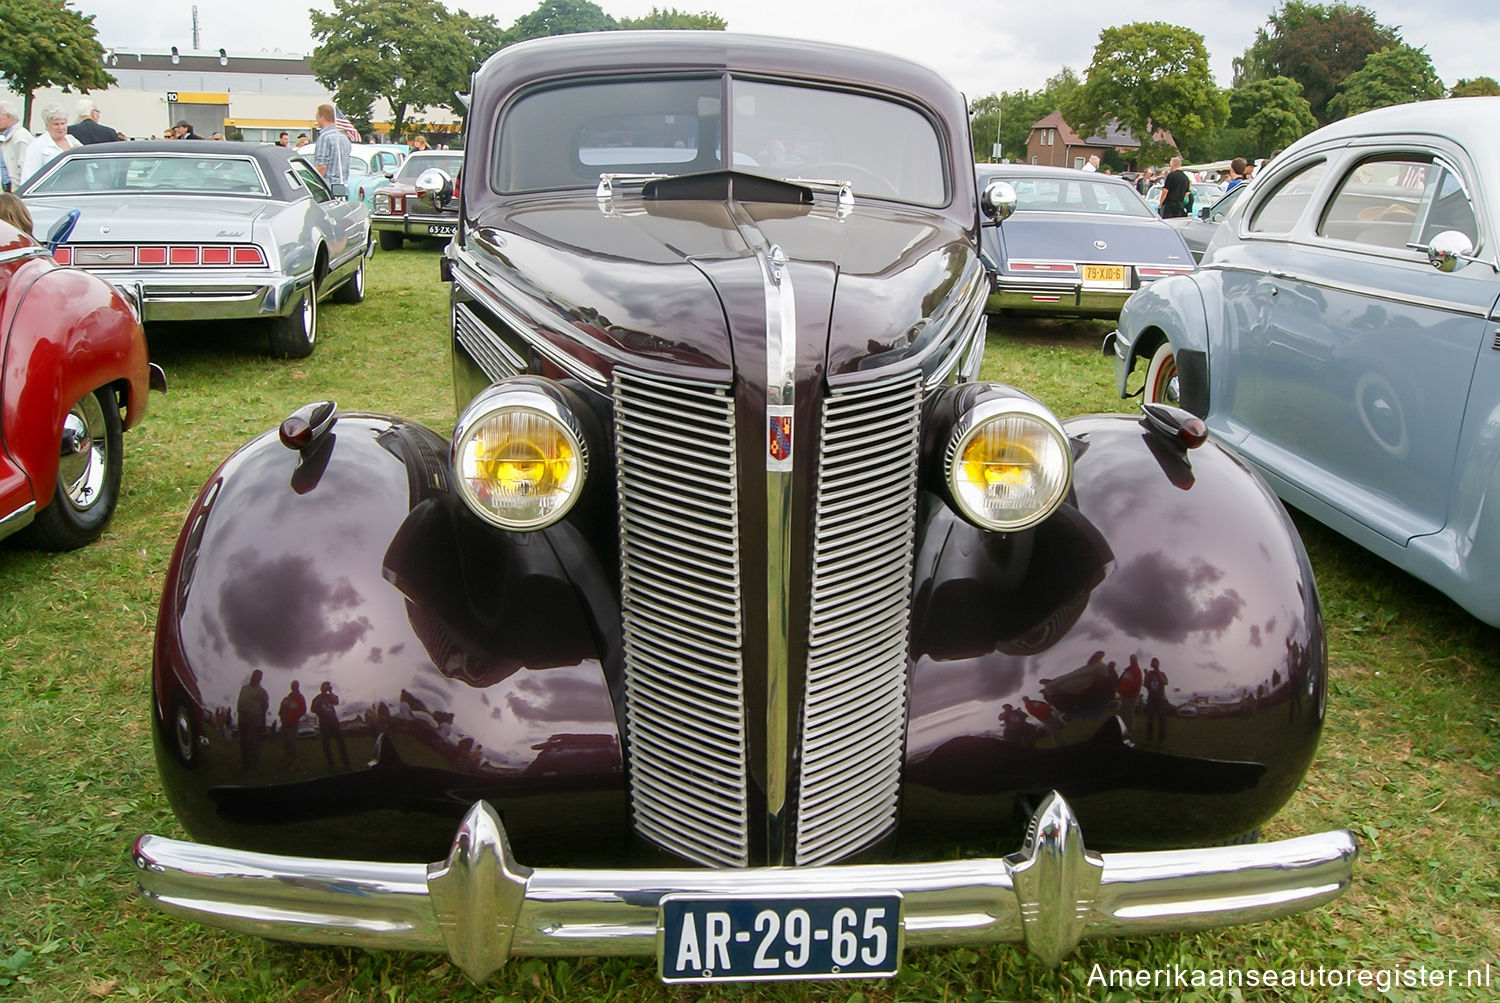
[{"x": 196, "y": 231}]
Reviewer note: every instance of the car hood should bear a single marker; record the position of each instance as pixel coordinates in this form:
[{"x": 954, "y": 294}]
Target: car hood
[
  {"x": 126, "y": 219},
  {"x": 1062, "y": 236},
  {"x": 685, "y": 282}
]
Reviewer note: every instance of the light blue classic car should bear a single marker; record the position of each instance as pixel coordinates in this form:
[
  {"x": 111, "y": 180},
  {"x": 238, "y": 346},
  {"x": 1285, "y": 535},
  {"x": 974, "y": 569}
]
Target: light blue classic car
[{"x": 1343, "y": 335}]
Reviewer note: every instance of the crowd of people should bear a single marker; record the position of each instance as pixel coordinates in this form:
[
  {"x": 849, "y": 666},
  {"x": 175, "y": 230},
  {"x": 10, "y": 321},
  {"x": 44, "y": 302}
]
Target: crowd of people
[{"x": 22, "y": 153}]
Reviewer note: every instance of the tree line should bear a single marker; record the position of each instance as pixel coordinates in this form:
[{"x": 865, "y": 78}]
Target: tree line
[{"x": 1308, "y": 65}]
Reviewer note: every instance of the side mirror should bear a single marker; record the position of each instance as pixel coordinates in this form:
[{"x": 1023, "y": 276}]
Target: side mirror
[
  {"x": 1448, "y": 248},
  {"x": 1203, "y": 213},
  {"x": 434, "y": 186},
  {"x": 998, "y": 200}
]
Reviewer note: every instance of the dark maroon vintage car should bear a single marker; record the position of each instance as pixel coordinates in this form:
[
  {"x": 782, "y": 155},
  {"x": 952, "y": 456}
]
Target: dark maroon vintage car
[
  {"x": 75, "y": 377},
  {"x": 736, "y": 624}
]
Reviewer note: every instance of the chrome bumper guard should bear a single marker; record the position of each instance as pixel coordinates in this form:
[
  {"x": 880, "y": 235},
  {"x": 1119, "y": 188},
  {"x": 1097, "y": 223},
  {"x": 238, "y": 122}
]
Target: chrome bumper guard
[{"x": 481, "y": 907}]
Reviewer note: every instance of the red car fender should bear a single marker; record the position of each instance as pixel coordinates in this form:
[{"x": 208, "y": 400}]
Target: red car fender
[{"x": 67, "y": 333}]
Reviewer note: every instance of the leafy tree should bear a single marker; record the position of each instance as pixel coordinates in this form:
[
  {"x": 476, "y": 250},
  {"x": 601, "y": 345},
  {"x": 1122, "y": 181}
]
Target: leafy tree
[
  {"x": 1009, "y": 116},
  {"x": 1272, "y": 112},
  {"x": 46, "y": 43},
  {"x": 1390, "y": 76},
  {"x": 560, "y": 17},
  {"x": 1151, "y": 76},
  {"x": 413, "y": 53},
  {"x": 672, "y": 18},
  {"x": 1317, "y": 45},
  {"x": 1476, "y": 88}
]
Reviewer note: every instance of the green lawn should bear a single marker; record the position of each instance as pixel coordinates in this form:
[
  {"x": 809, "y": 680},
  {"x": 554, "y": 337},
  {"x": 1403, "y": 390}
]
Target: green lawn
[{"x": 1409, "y": 758}]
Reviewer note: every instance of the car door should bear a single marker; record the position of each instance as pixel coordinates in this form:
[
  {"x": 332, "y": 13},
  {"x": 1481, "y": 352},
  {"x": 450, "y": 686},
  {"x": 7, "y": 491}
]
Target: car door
[
  {"x": 1357, "y": 355},
  {"x": 343, "y": 222}
]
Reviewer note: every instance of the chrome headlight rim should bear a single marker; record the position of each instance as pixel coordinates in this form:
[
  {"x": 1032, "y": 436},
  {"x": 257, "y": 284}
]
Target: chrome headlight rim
[
  {"x": 970, "y": 423},
  {"x": 523, "y": 398}
]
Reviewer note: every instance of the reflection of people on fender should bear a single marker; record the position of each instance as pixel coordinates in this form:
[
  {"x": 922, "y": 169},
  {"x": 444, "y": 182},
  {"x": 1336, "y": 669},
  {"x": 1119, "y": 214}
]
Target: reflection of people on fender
[
  {"x": 293, "y": 706},
  {"x": 251, "y": 708},
  {"x": 1043, "y": 712},
  {"x": 325, "y": 709},
  {"x": 1156, "y": 702},
  {"x": 1129, "y": 691}
]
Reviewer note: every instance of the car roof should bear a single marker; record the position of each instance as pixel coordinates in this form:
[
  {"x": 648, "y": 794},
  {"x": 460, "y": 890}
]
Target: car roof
[
  {"x": 1468, "y": 121},
  {"x": 1040, "y": 171}
]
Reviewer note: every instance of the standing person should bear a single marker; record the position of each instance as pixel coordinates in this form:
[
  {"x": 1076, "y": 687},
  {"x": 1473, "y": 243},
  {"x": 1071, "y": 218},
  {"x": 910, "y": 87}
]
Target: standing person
[
  {"x": 13, "y": 143},
  {"x": 1174, "y": 191},
  {"x": 251, "y": 708},
  {"x": 293, "y": 706},
  {"x": 1093, "y": 164},
  {"x": 418, "y": 142},
  {"x": 1156, "y": 703},
  {"x": 184, "y": 130},
  {"x": 50, "y": 143},
  {"x": 283, "y": 140},
  {"x": 325, "y": 709},
  {"x": 87, "y": 129},
  {"x": 331, "y": 155}
]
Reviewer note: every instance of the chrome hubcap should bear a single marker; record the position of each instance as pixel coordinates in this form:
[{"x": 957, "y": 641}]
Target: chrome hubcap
[{"x": 84, "y": 454}]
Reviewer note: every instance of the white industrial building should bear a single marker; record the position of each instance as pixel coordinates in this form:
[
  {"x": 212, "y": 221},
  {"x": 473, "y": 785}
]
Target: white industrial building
[{"x": 260, "y": 94}]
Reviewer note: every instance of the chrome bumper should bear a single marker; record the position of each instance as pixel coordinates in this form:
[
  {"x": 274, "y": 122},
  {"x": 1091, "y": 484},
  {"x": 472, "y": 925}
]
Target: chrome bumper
[
  {"x": 223, "y": 294},
  {"x": 412, "y": 225},
  {"x": 481, "y": 907},
  {"x": 1072, "y": 299}
]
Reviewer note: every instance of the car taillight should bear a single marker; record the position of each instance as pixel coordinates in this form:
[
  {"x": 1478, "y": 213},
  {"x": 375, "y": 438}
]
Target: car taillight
[
  {"x": 151, "y": 256},
  {"x": 216, "y": 255},
  {"x": 1147, "y": 272},
  {"x": 63, "y": 255},
  {"x": 1042, "y": 267},
  {"x": 248, "y": 256},
  {"x": 184, "y": 255}
]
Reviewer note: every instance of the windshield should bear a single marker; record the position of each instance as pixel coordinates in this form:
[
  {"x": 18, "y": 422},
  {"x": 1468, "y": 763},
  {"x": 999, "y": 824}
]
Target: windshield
[
  {"x": 152, "y": 173},
  {"x": 566, "y": 137},
  {"x": 414, "y": 166},
  {"x": 1075, "y": 194}
]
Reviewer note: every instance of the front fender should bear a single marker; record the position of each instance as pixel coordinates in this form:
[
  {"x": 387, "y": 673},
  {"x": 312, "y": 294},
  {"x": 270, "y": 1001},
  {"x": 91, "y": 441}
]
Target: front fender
[
  {"x": 466, "y": 663},
  {"x": 1031, "y": 655},
  {"x": 1170, "y": 309},
  {"x": 66, "y": 334}
]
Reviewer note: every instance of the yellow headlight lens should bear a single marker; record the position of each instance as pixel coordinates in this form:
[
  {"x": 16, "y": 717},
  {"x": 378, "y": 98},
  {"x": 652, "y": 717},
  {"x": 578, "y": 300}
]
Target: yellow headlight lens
[
  {"x": 519, "y": 468},
  {"x": 1010, "y": 469}
]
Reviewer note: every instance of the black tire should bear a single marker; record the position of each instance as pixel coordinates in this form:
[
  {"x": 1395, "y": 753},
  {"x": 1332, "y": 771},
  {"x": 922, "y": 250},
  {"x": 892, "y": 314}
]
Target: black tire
[
  {"x": 295, "y": 335},
  {"x": 353, "y": 290},
  {"x": 390, "y": 240},
  {"x": 88, "y": 477}
]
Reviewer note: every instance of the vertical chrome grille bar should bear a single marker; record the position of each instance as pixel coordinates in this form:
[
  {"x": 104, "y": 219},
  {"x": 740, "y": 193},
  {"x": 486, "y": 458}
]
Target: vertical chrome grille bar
[
  {"x": 681, "y": 596},
  {"x": 854, "y": 710}
]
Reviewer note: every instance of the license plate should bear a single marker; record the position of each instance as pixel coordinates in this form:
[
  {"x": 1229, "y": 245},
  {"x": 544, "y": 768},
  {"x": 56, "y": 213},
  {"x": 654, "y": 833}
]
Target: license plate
[
  {"x": 441, "y": 229},
  {"x": 756, "y": 939},
  {"x": 1104, "y": 275}
]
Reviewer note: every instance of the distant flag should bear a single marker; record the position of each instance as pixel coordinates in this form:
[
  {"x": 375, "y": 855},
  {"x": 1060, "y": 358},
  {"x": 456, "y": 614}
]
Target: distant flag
[{"x": 342, "y": 123}]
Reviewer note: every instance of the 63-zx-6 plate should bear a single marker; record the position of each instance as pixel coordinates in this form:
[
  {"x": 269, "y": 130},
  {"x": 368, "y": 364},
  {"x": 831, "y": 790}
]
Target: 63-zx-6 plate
[
  {"x": 709, "y": 939},
  {"x": 441, "y": 229}
]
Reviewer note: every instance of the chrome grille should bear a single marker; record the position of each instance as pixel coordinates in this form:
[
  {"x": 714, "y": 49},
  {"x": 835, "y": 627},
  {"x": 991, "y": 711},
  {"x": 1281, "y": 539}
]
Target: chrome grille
[
  {"x": 679, "y": 550},
  {"x": 496, "y": 359},
  {"x": 854, "y": 714}
]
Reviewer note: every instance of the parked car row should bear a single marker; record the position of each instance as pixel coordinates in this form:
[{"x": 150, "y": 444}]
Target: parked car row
[{"x": 736, "y": 606}]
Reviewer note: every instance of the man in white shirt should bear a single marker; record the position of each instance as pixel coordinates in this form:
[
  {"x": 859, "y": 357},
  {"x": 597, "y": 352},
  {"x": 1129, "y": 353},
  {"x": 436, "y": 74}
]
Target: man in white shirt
[{"x": 13, "y": 143}]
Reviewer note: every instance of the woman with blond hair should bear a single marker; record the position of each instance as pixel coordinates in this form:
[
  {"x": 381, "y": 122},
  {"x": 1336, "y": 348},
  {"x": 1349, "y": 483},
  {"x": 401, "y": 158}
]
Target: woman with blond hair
[{"x": 50, "y": 143}]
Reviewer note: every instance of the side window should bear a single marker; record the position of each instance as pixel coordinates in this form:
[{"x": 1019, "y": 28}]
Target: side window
[
  {"x": 1280, "y": 210},
  {"x": 1378, "y": 201},
  {"x": 312, "y": 181}
]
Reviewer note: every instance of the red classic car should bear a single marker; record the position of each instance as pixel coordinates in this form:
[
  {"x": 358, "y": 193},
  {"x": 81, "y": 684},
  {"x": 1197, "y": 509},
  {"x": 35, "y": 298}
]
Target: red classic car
[{"x": 75, "y": 378}]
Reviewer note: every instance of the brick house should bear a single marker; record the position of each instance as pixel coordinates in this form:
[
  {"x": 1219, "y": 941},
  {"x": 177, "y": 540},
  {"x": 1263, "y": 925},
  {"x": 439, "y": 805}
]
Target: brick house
[{"x": 1053, "y": 143}]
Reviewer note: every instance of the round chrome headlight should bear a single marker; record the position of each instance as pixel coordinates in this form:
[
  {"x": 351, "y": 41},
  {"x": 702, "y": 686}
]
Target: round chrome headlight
[
  {"x": 1008, "y": 464},
  {"x": 519, "y": 456}
]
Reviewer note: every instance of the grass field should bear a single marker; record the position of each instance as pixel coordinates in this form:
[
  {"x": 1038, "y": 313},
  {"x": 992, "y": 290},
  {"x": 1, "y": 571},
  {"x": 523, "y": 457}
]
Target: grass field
[{"x": 1409, "y": 758}]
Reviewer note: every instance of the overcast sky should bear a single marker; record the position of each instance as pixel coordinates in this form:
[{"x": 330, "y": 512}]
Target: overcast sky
[{"x": 981, "y": 45}]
